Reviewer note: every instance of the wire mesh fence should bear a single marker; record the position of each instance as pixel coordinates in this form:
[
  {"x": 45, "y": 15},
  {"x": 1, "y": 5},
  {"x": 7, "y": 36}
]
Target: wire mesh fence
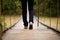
[
  {"x": 48, "y": 13},
  {"x": 10, "y": 13}
]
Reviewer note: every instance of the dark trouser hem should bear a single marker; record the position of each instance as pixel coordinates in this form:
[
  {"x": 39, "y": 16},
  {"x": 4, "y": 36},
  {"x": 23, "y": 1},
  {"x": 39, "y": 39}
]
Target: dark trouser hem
[{"x": 25, "y": 24}]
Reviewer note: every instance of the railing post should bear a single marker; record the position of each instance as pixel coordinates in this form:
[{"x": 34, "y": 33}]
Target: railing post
[
  {"x": 38, "y": 14},
  {"x": 0, "y": 32},
  {"x": 57, "y": 14}
]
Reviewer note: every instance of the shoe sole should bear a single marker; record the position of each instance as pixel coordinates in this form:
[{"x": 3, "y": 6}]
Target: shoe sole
[{"x": 31, "y": 27}]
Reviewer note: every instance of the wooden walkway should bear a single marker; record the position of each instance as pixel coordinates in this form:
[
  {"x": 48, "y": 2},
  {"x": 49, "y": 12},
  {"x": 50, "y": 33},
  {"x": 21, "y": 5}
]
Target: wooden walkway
[{"x": 38, "y": 33}]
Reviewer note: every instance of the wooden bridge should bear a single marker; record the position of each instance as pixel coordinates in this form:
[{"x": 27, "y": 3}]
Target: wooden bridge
[
  {"x": 43, "y": 28},
  {"x": 38, "y": 33}
]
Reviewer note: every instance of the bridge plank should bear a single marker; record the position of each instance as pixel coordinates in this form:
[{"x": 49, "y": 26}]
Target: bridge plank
[{"x": 38, "y": 33}]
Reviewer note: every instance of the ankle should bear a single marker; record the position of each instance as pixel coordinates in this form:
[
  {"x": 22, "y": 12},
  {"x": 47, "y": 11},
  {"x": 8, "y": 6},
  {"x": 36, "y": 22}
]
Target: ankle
[{"x": 30, "y": 23}]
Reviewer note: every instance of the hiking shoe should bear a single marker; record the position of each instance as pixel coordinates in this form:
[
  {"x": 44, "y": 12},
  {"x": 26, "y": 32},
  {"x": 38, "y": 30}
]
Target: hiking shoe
[{"x": 31, "y": 25}]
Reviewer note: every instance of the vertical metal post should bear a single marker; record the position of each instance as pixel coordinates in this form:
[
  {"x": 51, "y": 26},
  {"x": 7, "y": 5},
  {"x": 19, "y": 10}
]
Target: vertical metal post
[
  {"x": 0, "y": 32},
  {"x": 10, "y": 18},
  {"x": 50, "y": 14},
  {"x": 38, "y": 14},
  {"x": 44, "y": 11},
  {"x": 1, "y": 25},
  {"x": 3, "y": 16},
  {"x": 57, "y": 13}
]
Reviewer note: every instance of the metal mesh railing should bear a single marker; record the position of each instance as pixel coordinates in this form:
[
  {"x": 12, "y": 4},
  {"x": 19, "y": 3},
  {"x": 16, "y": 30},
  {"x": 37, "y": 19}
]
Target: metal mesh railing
[
  {"x": 48, "y": 13},
  {"x": 9, "y": 13}
]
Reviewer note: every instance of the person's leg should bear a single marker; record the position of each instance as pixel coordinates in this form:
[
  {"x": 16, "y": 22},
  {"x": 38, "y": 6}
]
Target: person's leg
[
  {"x": 24, "y": 12},
  {"x": 31, "y": 10}
]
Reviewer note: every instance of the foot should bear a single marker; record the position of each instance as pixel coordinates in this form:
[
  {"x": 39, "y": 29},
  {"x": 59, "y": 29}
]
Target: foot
[
  {"x": 31, "y": 25},
  {"x": 25, "y": 27}
]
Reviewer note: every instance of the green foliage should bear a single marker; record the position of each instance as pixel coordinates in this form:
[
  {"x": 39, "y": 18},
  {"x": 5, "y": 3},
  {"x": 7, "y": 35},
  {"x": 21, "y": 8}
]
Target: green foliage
[
  {"x": 10, "y": 7},
  {"x": 50, "y": 8}
]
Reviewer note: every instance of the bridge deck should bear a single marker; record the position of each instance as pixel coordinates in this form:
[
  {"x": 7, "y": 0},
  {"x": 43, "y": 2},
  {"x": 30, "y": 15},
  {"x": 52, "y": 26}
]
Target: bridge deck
[{"x": 38, "y": 33}]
